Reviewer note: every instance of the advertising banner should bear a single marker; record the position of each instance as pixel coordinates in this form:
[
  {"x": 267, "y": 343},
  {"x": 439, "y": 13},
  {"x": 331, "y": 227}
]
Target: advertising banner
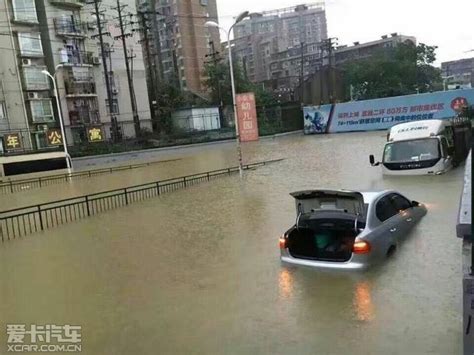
[
  {"x": 384, "y": 113},
  {"x": 316, "y": 118},
  {"x": 247, "y": 116}
]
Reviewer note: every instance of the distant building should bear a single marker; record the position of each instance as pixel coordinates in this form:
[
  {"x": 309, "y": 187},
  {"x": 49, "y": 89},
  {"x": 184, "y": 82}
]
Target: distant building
[
  {"x": 458, "y": 74},
  {"x": 326, "y": 84},
  {"x": 358, "y": 51},
  {"x": 275, "y": 45},
  {"x": 179, "y": 41}
]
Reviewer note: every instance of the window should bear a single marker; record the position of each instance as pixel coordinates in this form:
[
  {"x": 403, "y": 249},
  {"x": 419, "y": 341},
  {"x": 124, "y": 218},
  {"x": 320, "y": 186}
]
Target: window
[
  {"x": 410, "y": 151},
  {"x": 41, "y": 140},
  {"x": 25, "y": 11},
  {"x": 30, "y": 44},
  {"x": 115, "y": 106},
  {"x": 41, "y": 111},
  {"x": 444, "y": 146},
  {"x": 400, "y": 203},
  {"x": 204, "y": 2},
  {"x": 385, "y": 209},
  {"x": 35, "y": 79}
]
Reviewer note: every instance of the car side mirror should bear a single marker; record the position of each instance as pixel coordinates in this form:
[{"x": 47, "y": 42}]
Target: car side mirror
[
  {"x": 372, "y": 161},
  {"x": 415, "y": 203}
]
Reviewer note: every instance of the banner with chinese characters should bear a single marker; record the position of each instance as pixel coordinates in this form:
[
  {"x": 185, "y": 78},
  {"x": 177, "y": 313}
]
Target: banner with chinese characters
[
  {"x": 95, "y": 134},
  {"x": 247, "y": 116},
  {"x": 384, "y": 113},
  {"x": 316, "y": 118},
  {"x": 12, "y": 141},
  {"x": 54, "y": 136}
]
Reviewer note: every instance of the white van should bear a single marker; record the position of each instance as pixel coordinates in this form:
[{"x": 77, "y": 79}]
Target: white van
[{"x": 429, "y": 147}]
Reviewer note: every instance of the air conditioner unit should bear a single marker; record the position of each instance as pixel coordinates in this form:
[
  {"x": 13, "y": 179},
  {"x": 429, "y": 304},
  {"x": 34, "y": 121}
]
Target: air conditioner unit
[
  {"x": 96, "y": 60},
  {"x": 42, "y": 127},
  {"x": 33, "y": 95},
  {"x": 26, "y": 62},
  {"x": 115, "y": 91}
]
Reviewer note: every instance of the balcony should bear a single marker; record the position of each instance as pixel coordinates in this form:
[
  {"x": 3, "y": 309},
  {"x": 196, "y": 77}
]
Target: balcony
[
  {"x": 78, "y": 89},
  {"x": 77, "y": 58},
  {"x": 84, "y": 116},
  {"x": 68, "y": 3},
  {"x": 68, "y": 27}
]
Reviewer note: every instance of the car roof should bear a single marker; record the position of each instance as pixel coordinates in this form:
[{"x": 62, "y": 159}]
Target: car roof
[{"x": 371, "y": 196}]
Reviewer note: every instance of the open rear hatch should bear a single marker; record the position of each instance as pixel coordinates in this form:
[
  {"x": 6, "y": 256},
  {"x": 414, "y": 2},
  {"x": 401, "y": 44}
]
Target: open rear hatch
[
  {"x": 334, "y": 200},
  {"x": 327, "y": 224}
]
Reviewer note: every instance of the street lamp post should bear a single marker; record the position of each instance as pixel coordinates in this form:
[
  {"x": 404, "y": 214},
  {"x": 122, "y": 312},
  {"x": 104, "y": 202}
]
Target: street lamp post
[
  {"x": 61, "y": 122},
  {"x": 239, "y": 18}
]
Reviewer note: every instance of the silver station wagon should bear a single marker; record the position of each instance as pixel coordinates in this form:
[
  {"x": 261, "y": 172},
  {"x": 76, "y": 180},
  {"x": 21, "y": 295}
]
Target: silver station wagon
[{"x": 347, "y": 229}]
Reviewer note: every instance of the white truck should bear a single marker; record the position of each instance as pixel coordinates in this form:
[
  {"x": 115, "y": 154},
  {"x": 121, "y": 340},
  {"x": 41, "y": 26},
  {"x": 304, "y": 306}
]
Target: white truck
[{"x": 429, "y": 147}]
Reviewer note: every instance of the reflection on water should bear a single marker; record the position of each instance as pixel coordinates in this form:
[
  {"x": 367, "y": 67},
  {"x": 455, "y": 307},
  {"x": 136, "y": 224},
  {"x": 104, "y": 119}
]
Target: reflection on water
[
  {"x": 285, "y": 283},
  {"x": 363, "y": 305}
]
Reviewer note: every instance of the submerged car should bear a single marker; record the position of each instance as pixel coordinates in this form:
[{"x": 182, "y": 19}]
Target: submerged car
[{"x": 347, "y": 229}]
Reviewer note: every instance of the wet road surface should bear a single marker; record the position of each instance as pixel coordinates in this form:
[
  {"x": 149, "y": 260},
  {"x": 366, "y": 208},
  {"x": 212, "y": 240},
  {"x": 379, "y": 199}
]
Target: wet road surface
[{"x": 197, "y": 271}]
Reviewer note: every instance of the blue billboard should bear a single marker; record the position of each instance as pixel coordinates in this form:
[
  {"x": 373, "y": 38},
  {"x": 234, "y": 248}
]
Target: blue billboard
[
  {"x": 316, "y": 118},
  {"x": 384, "y": 113}
]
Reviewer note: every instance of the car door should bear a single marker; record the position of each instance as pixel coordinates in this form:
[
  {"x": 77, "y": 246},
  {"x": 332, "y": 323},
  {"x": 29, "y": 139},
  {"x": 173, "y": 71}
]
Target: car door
[
  {"x": 386, "y": 225},
  {"x": 406, "y": 213}
]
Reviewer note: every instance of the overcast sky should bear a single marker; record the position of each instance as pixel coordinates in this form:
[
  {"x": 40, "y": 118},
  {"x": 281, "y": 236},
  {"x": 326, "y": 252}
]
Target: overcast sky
[{"x": 447, "y": 24}]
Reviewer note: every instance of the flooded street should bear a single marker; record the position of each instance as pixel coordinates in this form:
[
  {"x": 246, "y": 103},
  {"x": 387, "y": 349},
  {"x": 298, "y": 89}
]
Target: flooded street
[{"x": 197, "y": 271}]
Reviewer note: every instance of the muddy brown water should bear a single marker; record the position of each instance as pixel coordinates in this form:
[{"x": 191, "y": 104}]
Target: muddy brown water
[{"x": 197, "y": 271}]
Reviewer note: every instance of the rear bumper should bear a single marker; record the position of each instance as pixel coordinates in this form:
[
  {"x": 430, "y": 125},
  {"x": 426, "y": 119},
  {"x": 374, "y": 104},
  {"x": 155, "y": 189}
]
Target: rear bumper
[{"x": 326, "y": 265}]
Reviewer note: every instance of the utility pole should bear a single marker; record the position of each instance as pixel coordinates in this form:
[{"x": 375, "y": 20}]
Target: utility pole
[
  {"x": 327, "y": 46},
  {"x": 215, "y": 60},
  {"x": 113, "y": 118},
  {"x": 143, "y": 28},
  {"x": 133, "y": 101},
  {"x": 302, "y": 67}
]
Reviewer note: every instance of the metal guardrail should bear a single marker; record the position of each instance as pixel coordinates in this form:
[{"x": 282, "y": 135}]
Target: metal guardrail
[
  {"x": 13, "y": 186},
  {"x": 23, "y": 221}
]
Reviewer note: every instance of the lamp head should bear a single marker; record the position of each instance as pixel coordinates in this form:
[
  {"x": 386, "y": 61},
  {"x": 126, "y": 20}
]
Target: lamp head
[
  {"x": 242, "y": 16},
  {"x": 211, "y": 24}
]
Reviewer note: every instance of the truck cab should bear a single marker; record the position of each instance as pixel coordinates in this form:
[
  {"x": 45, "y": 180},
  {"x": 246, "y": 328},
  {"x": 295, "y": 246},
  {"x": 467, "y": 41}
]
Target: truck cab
[{"x": 429, "y": 147}]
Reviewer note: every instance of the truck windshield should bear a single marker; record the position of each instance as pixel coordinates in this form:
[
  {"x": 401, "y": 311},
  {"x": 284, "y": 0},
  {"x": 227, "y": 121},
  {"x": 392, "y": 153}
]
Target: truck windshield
[{"x": 410, "y": 151}]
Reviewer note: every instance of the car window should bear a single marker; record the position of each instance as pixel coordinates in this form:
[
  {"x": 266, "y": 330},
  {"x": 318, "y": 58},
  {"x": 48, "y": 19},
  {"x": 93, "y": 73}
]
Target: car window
[
  {"x": 444, "y": 144},
  {"x": 399, "y": 202},
  {"x": 385, "y": 209}
]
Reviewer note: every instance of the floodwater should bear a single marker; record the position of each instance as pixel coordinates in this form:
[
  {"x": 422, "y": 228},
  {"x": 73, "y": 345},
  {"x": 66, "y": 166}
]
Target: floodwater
[{"x": 197, "y": 271}]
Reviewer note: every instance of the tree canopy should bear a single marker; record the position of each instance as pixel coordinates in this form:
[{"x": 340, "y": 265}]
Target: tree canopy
[
  {"x": 219, "y": 84},
  {"x": 406, "y": 69}
]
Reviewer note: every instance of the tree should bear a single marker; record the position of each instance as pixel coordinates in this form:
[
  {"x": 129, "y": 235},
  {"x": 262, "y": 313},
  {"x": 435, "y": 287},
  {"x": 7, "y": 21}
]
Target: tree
[
  {"x": 219, "y": 83},
  {"x": 406, "y": 69}
]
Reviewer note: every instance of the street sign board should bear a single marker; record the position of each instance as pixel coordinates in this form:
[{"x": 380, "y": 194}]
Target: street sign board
[{"x": 247, "y": 116}]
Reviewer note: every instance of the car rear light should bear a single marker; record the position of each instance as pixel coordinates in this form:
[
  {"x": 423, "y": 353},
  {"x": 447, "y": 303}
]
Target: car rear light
[
  {"x": 361, "y": 247},
  {"x": 283, "y": 242}
]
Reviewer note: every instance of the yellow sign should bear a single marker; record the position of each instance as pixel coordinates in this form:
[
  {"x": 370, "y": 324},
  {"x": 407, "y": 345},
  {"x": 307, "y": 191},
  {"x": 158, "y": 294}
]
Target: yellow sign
[
  {"x": 95, "y": 134},
  {"x": 12, "y": 141},
  {"x": 54, "y": 137}
]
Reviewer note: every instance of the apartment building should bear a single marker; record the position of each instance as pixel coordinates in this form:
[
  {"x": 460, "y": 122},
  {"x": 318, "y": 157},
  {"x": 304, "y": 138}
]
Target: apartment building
[
  {"x": 179, "y": 41},
  {"x": 281, "y": 45},
  {"x": 458, "y": 74},
  {"x": 58, "y": 36},
  {"x": 358, "y": 51}
]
